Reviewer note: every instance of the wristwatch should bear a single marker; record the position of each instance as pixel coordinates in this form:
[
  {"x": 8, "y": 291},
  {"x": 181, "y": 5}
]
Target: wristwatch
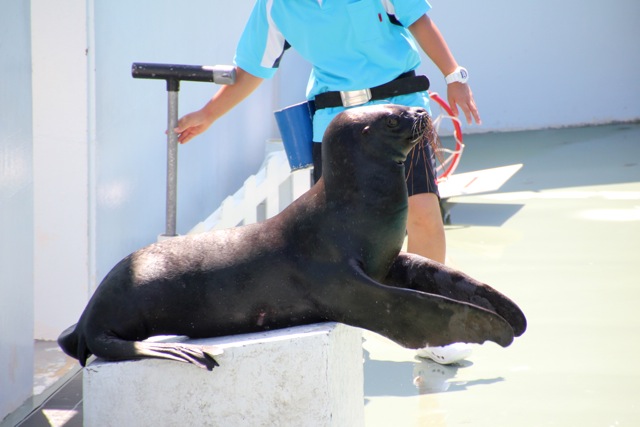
[{"x": 460, "y": 75}]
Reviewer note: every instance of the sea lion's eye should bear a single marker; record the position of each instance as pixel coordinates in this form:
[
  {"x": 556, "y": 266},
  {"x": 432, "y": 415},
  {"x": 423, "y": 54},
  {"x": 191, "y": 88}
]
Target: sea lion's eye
[{"x": 392, "y": 122}]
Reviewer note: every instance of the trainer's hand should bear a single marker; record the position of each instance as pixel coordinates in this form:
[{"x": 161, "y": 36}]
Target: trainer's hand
[
  {"x": 192, "y": 125},
  {"x": 459, "y": 95}
]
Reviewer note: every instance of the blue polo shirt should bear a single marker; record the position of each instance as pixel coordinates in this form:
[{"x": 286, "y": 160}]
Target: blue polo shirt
[{"x": 350, "y": 44}]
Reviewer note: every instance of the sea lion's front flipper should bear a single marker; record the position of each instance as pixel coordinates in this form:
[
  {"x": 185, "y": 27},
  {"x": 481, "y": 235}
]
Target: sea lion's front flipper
[
  {"x": 422, "y": 274},
  {"x": 412, "y": 318}
]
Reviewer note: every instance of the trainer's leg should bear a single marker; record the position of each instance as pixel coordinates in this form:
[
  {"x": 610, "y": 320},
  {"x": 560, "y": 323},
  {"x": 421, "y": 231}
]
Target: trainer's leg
[
  {"x": 426, "y": 238},
  {"x": 425, "y": 228}
]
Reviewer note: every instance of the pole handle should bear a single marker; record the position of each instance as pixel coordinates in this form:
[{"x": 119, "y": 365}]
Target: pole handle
[{"x": 220, "y": 74}]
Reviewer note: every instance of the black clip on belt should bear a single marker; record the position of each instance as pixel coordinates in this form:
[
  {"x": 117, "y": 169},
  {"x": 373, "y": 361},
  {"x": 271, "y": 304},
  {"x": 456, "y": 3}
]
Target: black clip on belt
[{"x": 406, "y": 83}]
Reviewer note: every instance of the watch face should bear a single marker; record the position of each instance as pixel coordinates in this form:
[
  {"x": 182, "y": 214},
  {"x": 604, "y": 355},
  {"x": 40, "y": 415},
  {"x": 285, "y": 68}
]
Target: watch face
[{"x": 463, "y": 74}]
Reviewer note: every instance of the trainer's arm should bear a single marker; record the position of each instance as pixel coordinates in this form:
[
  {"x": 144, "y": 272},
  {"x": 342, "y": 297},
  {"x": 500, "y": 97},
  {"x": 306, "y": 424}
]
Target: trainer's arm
[
  {"x": 225, "y": 99},
  {"x": 433, "y": 44}
]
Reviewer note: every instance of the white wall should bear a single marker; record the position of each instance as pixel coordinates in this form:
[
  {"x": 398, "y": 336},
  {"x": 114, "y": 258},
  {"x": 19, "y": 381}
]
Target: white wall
[
  {"x": 61, "y": 162},
  {"x": 132, "y": 117},
  {"x": 99, "y": 143},
  {"x": 16, "y": 208},
  {"x": 545, "y": 63}
]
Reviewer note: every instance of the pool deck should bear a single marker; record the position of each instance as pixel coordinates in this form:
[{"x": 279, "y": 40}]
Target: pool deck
[{"x": 561, "y": 238}]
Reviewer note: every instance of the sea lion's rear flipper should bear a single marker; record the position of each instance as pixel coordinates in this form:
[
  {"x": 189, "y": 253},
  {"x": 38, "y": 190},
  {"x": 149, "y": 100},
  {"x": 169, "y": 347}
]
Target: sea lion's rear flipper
[
  {"x": 412, "y": 318},
  {"x": 422, "y": 274},
  {"x": 73, "y": 344},
  {"x": 115, "y": 349},
  {"x": 68, "y": 341}
]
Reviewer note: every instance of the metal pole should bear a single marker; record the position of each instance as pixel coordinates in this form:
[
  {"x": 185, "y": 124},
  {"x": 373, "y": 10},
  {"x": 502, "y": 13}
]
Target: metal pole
[
  {"x": 173, "y": 74},
  {"x": 173, "y": 87}
]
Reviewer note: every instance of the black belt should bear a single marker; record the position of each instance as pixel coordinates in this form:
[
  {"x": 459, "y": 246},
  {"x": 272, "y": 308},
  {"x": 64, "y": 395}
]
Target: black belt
[{"x": 404, "y": 84}]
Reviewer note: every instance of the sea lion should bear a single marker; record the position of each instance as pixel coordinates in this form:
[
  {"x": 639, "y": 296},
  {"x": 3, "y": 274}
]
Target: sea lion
[{"x": 332, "y": 255}]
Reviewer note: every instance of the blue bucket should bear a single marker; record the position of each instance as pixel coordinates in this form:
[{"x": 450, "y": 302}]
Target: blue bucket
[{"x": 296, "y": 129}]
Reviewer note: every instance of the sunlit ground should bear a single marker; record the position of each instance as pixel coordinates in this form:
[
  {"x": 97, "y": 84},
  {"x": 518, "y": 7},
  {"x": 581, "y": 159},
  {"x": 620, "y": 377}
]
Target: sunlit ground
[{"x": 562, "y": 238}]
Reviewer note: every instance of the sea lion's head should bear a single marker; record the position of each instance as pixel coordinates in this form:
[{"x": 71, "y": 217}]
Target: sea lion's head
[{"x": 384, "y": 133}]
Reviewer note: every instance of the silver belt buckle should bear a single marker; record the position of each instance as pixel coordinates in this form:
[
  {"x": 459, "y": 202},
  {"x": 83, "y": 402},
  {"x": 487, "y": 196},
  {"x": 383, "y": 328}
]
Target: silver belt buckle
[{"x": 351, "y": 98}]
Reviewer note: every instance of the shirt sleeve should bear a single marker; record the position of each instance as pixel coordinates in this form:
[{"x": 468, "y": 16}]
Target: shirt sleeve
[
  {"x": 261, "y": 45},
  {"x": 406, "y": 11}
]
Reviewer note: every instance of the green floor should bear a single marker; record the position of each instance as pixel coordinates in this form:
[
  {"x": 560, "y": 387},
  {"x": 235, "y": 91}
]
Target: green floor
[{"x": 562, "y": 238}]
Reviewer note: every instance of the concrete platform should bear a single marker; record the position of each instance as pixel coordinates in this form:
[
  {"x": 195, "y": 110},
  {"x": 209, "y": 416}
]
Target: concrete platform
[{"x": 303, "y": 376}]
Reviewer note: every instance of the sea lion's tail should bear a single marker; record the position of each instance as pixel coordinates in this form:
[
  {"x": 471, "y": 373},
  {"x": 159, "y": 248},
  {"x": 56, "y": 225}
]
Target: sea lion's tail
[{"x": 74, "y": 344}]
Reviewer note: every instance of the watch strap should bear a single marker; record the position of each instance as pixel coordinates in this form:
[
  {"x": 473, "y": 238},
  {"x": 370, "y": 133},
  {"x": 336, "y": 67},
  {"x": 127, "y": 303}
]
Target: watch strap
[{"x": 459, "y": 75}]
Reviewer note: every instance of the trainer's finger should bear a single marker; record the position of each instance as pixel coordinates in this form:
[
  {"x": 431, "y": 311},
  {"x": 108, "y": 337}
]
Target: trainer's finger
[
  {"x": 182, "y": 126},
  {"x": 467, "y": 113},
  {"x": 476, "y": 115},
  {"x": 454, "y": 107},
  {"x": 175, "y": 130},
  {"x": 185, "y": 137}
]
